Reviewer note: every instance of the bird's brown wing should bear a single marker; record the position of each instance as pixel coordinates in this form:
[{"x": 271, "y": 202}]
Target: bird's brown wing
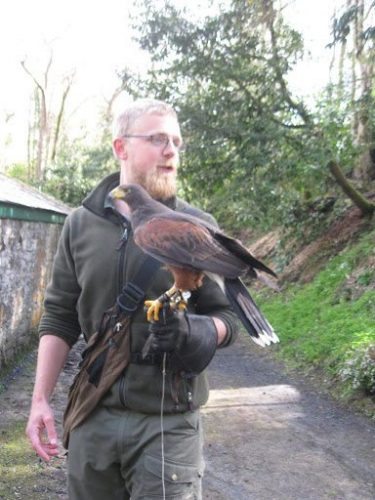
[{"x": 187, "y": 244}]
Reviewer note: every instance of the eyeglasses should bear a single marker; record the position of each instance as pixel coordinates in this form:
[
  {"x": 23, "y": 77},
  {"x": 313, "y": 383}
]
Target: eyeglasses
[{"x": 159, "y": 140}]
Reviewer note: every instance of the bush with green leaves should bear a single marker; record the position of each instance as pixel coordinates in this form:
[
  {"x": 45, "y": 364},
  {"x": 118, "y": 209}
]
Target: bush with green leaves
[
  {"x": 77, "y": 170},
  {"x": 359, "y": 369}
]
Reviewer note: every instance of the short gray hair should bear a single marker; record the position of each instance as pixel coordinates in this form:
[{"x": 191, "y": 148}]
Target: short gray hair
[{"x": 125, "y": 119}]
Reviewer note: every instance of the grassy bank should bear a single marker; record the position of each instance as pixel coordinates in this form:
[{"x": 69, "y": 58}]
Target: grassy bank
[{"x": 330, "y": 322}]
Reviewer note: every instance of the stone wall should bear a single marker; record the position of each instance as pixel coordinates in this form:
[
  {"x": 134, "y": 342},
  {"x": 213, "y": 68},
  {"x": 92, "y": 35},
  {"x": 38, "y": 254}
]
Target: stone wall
[{"x": 26, "y": 254}]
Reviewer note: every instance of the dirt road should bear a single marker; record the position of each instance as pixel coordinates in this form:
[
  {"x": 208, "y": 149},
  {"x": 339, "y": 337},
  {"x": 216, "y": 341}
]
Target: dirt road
[
  {"x": 271, "y": 436},
  {"x": 268, "y": 436}
]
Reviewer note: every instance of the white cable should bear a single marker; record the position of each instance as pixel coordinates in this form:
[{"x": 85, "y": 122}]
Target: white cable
[{"x": 161, "y": 425}]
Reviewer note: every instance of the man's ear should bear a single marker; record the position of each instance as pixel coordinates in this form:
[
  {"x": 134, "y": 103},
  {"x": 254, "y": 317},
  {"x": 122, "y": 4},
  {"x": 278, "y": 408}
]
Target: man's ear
[{"x": 119, "y": 149}]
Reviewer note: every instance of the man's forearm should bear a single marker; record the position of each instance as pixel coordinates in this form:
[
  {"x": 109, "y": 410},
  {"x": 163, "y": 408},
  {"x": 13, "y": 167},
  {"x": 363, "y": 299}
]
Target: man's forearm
[
  {"x": 52, "y": 354},
  {"x": 221, "y": 330},
  {"x": 40, "y": 428}
]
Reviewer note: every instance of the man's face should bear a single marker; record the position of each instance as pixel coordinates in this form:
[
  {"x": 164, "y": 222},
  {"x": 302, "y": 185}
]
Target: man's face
[{"x": 153, "y": 166}]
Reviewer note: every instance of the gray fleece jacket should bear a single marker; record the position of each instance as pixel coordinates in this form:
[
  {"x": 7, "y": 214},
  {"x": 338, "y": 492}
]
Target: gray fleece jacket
[{"x": 96, "y": 256}]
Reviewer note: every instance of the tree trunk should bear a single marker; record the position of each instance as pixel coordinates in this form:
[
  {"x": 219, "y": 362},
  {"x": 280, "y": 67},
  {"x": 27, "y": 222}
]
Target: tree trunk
[
  {"x": 364, "y": 133},
  {"x": 42, "y": 141},
  {"x": 60, "y": 116},
  {"x": 365, "y": 206}
]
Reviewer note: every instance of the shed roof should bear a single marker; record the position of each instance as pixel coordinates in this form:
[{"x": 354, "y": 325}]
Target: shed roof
[{"x": 17, "y": 193}]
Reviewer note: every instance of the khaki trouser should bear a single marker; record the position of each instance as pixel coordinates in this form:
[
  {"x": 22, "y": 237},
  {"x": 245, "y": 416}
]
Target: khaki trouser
[{"x": 117, "y": 454}]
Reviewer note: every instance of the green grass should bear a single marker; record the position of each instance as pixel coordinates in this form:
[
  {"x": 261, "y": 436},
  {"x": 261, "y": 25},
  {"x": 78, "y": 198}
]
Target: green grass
[
  {"x": 22, "y": 474},
  {"x": 320, "y": 325}
]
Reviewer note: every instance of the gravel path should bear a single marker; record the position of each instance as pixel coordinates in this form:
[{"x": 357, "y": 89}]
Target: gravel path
[{"x": 268, "y": 435}]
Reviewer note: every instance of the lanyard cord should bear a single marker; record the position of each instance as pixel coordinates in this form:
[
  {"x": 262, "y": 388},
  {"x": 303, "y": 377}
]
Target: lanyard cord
[
  {"x": 162, "y": 427},
  {"x": 162, "y": 415}
]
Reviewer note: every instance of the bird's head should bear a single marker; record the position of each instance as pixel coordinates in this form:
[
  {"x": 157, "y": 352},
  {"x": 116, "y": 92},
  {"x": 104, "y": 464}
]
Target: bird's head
[
  {"x": 132, "y": 194},
  {"x": 119, "y": 193}
]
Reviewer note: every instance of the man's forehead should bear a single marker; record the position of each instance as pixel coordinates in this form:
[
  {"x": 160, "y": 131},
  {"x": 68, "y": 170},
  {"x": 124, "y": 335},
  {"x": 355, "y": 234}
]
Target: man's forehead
[{"x": 156, "y": 123}]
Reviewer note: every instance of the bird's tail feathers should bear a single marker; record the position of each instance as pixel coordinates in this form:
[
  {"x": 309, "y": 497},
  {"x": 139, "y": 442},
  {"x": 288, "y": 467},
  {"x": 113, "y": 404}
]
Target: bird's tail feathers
[{"x": 260, "y": 330}]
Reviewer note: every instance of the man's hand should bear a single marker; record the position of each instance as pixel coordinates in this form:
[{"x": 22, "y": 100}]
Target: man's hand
[
  {"x": 189, "y": 339},
  {"x": 41, "y": 430},
  {"x": 170, "y": 332}
]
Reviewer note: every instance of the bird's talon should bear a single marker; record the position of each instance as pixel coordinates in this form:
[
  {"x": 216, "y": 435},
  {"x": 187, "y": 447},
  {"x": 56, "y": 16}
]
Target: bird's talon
[
  {"x": 173, "y": 298},
  {"x": 153, "y": 309}
]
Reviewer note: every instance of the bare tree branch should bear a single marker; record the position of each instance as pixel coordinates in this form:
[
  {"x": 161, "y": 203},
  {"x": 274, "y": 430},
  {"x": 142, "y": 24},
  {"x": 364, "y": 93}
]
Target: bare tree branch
[
  {"x": 69, "y": 82},
  {"x": 42, "y": 127}
]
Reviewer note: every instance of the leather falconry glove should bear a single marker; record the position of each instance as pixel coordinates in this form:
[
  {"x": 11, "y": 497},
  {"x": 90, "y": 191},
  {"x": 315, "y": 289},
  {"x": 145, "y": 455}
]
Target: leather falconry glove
[{"x": 189, "y": 339}]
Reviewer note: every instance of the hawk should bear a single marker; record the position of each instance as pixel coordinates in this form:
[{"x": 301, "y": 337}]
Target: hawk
[{"x": 191, "y": 248}]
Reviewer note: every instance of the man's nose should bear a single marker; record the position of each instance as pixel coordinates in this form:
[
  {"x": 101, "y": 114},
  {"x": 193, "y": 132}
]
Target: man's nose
[{"x": 170, "y": 149}]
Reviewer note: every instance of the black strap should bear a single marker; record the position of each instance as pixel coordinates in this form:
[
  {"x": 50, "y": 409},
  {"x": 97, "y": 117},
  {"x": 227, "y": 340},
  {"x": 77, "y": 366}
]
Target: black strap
[
  {"x": 134, "y": 291},
  {"x": 130, "y": 298}
]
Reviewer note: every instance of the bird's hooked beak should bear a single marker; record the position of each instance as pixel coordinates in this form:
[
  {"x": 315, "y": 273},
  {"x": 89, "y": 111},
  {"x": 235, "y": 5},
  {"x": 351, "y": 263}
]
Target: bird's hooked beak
[{"x": 119, "y": 193}]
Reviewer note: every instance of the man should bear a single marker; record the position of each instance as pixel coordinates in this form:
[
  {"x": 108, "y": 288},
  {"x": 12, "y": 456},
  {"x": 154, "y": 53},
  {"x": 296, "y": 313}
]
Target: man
[{"x": 144, "y": 438}]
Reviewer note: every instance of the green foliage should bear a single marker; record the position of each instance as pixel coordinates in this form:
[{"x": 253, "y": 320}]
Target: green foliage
[
  {"x": 366, "y": 278},
  {"x": 77, "y": 170},
  {"x": 251, "y": 146},
  {"x": 246, "y": 137},
  {"x": 320, "y": 325},
  {"x": 359, "y": 369},
  {"x": 350, "y": 19},
  {"x": 342, "y": 25},
  {"x": 256, "y": 155},
  {"x": 18, "y": 171}
]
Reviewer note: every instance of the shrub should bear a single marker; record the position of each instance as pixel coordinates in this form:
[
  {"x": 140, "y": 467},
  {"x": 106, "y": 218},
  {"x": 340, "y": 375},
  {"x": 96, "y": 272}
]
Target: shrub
[{"x": 359, "y": 369}]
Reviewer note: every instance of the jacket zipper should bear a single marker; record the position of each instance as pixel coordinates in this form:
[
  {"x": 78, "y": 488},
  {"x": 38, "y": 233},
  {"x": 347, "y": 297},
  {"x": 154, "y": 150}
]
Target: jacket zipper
[
  {"x": 122, "y": 253},
  {"x": 122, "y": 247}
]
